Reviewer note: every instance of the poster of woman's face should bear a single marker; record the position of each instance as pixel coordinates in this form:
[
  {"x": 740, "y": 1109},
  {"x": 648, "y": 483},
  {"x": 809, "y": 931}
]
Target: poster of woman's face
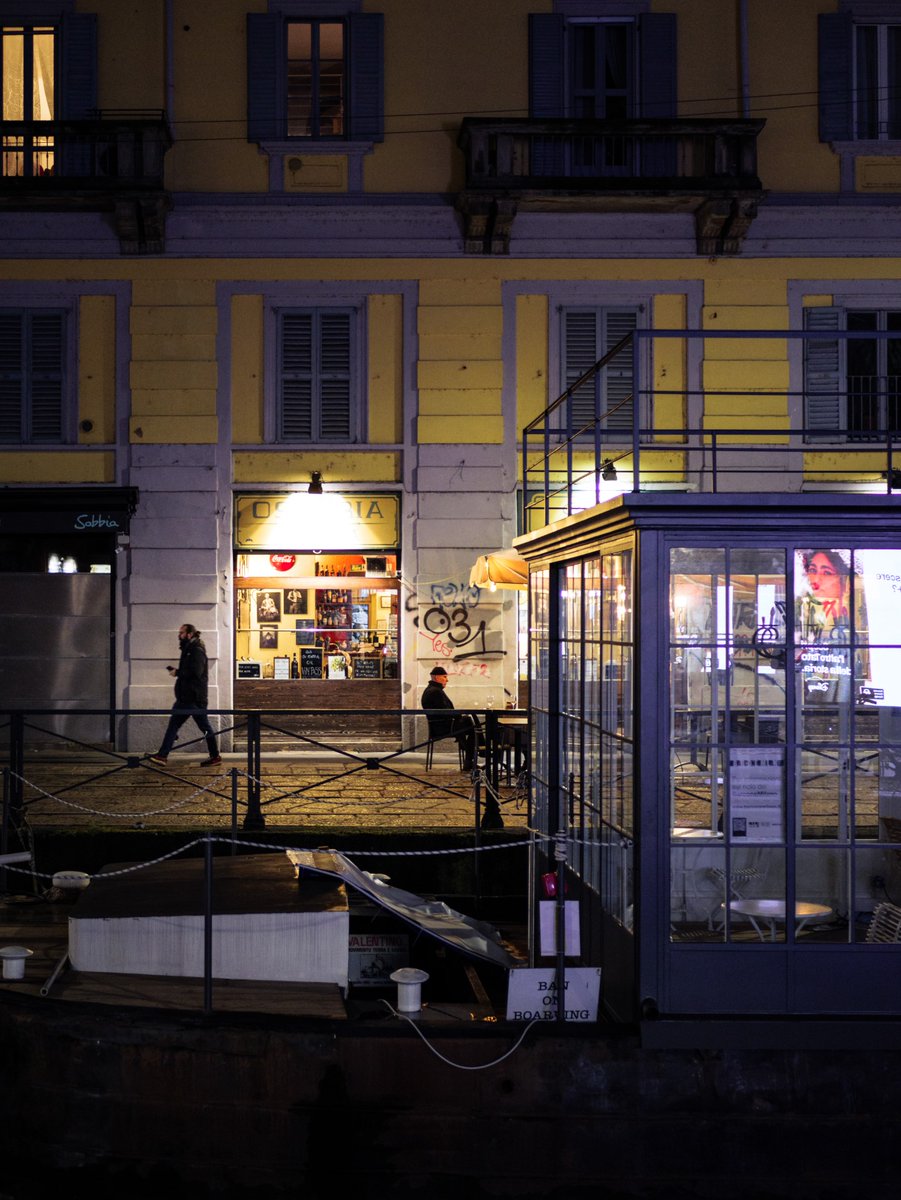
[
  {"x": 269, "y": 606},
  {"x": 295, "y": 602},
  {"x": 268, "y": 637}
]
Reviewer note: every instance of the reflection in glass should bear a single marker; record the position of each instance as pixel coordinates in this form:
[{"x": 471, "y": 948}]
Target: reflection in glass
[
  {"x": 824, "y": 793},
  {"x": 877, "y": 880},
  {"x": 697, "y": 791},
  {"x": 823, "y": 596},
  {"x": 877, "y": 794},
  {"x": 822, "y": 890}
]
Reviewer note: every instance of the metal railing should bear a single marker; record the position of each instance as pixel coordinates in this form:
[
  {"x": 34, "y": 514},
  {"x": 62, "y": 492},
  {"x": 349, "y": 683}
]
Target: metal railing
[
  {"x": 122, "y": 148},
  {"x": 46, "y": 764},
  {"x": 584, "y": 448},
  {"x": 697, "y": 155}
]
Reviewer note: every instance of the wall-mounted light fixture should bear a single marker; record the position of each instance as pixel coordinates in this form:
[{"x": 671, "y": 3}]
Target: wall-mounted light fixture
[
  {"x": 315, "y": 488},
  {"x": 608, "y": 471}
]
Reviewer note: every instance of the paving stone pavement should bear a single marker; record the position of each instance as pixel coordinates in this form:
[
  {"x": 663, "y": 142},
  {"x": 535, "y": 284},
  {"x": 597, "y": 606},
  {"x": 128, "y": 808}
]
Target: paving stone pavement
[{"x": 91, "y": 791}]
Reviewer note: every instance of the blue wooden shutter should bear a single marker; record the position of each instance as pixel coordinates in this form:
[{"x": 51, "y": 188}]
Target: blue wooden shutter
[
  {"x": 77, "y": 90},
  {"x": 366, "y": 83},
  {"x": 836, "y": 73},
  {"x": 589, "y": 334},
  {"x": 295, "y": 417},
  {"x": 267, "y": 97},
  {"x": 823, "y": 370},
  {"x": 618, "y": 382},
  {"x": 31, "y": 376},
  {"x": 581, "y": 350},
  {"x": 46, "y": 377},
  {"x": 546, "y": 66},
  {"x": 12, "y": 376},
  {"x": 657, "y": 66},
  {"x": 547, "y": 101},
  {"x": 315, "y": 377},
  {"x": 335, "y": 417},
  {"x": 77, "y": 87}
]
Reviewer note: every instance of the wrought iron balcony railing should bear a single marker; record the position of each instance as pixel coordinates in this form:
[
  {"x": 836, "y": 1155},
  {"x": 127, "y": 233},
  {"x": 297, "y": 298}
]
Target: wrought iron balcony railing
[
  {"x": 113, "y": 162},
  {"x": 704, "y": 166},
  {"x": 813, "y": 431}
]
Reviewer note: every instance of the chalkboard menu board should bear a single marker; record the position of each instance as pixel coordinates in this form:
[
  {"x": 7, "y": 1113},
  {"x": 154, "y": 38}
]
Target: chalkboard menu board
[
  {"x": 311, "y": 662},
  {"x": 249, "y": 670},
  {"x": 367, "y": 668}
]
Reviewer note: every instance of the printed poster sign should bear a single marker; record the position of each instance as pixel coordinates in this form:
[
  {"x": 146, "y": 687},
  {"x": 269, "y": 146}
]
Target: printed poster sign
[{"x": 756, "y": 790}]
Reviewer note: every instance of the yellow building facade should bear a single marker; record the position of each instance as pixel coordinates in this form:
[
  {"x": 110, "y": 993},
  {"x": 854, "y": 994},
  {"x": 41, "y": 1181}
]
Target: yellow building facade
[{"x": 247, "y": 242}]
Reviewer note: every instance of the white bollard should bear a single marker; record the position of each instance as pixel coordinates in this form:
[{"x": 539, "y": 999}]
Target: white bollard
[
  {"x": 75, "y": 881},
  {"x": 409, "y": 982},
  {"x": 14, "y": 961}
]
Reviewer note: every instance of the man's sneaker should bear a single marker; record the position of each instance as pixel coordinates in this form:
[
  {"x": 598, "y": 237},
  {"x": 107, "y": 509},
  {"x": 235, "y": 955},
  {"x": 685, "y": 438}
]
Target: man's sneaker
[
  {"x": 212, "y": 762},
  {"x": 159, "y": 759}
]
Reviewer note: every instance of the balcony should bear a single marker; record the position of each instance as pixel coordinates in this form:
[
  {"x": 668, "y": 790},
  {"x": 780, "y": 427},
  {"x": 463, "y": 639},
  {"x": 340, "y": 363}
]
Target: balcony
[
  {"x": 112, "y": 164},
  {"x": 699, "y": 166}
]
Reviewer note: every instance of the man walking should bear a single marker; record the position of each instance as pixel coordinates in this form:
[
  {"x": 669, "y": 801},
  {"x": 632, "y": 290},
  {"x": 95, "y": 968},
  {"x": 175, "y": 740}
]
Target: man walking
[{"x": 191, "y": 683}]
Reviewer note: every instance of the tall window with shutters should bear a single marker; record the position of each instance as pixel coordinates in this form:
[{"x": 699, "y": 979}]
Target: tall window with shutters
[
  {"x": 48, "y": 74},
  {"x": 860, "y": 73},
  {"x": 852, "y": 386},
  {"x": 605, "y": 401},
  {"x": 315, "y": 78},
  {"x": 317, "y": 383},
  {"x": 32, "y": 376}
]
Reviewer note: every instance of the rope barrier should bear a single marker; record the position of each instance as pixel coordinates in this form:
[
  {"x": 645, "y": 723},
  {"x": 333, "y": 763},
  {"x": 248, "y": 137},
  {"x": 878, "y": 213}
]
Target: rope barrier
[
  {"x": 130, "y": 816},
  {"x": 248, "y": 845}
]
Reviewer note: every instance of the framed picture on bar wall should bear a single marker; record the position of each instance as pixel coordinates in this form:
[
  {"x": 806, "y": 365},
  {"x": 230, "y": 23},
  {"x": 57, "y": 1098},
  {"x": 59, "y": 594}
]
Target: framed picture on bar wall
[
  {"x": 269, "y": 606},
  {"x": 268, "y": 637},
  {"x": 295, "y": 602}
]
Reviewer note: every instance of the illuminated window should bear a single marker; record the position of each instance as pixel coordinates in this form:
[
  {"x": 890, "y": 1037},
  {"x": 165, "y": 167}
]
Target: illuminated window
[
  {"x": 314, "y": 78},
  {"x": 316, "y": 82},
  {"x": 27, "y": 64}
]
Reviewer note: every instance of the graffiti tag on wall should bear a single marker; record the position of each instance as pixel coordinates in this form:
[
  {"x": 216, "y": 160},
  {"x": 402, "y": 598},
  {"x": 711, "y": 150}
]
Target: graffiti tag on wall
[{"x": 457, "y": 623}]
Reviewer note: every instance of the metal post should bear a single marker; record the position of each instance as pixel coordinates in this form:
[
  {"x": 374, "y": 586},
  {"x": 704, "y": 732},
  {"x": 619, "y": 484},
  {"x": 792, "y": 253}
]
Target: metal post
[
  {"x": 16, "y": 762},
  {"x": 208, "y": 925},
  {"x": 477, "y": 841},
  {"x": 636, "y": 416},
  {"x": 4, "y": 826},
  {"x": 713, "y": 460},
  {"x": 253, "y": 818},
  {"x": 234, "y": 776}
]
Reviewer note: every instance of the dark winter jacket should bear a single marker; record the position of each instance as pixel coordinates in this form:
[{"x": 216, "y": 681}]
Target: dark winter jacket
[
  {"x": 192, "y": 675},
  {"x": 435, "y": 696}
]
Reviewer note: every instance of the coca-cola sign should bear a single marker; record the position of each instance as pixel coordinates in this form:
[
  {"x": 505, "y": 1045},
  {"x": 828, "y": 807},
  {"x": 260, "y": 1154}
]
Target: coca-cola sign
[{"x": 283, "y": 562}]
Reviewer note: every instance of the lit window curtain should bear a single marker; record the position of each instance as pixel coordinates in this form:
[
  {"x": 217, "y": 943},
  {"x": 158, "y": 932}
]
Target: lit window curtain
[
  {"x": 43, "y": 89},
  {"x": 13, "y": 72}
]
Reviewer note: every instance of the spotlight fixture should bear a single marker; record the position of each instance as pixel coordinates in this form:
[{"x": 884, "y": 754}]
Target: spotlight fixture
[
  {"x": 608, "y": 471},
  {"x": 315, "y": 488}
]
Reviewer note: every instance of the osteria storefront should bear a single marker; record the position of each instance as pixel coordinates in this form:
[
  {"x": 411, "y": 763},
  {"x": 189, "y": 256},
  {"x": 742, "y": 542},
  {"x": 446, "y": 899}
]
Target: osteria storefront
[{"x": 316, "y": 600}]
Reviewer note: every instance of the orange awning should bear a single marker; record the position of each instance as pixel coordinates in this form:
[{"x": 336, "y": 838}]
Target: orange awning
[{"x": 500, "y": 569}]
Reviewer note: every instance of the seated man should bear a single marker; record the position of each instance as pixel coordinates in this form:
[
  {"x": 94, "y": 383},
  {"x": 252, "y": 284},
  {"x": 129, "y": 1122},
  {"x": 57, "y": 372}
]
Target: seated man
[{"x": 462, "y": 727}]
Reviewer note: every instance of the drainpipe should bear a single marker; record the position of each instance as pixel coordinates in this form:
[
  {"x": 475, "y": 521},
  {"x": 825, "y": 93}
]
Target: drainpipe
[
  {"x": 169, "y": 61},
  {"x": 743, "y": 60}
]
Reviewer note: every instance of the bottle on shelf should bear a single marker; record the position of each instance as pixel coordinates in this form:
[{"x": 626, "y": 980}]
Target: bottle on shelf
[{"x": 295, "y": 667}]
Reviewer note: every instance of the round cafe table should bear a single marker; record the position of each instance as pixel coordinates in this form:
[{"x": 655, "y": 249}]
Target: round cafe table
[{"x": 768, "y": 912}]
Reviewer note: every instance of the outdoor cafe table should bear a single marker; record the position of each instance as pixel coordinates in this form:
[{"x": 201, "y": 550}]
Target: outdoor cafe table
[
  {"x": 770, "y": 911},
  {"x": 512, "y": 732}
]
